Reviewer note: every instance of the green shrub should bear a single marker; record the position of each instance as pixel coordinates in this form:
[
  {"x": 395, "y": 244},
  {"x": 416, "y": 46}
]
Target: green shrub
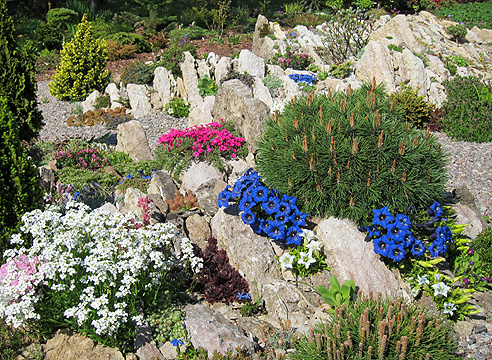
[
  {"x": 415, "y": 109},
  {"x": 483, "y": 246},
  {"x": 172, "y": 57},
  {"x": 120, "y": 52},
  {"x": 341, "y": 71},
  {"x": 468, "y": 109},
  {"x": 178, "y": 108},
  {"x": 458, "y": 31},
  {"x": 342, "y": 154},
  {"x": 17, "y": 83},
  {"x": 193, "y": 33},
  {"x": 379, "y": 329},
  {"x": 458, "y": 60},
  {"x": 137, "y": 73},
  {"x": 83, "y": 66},
  {"x": 125, "y": 38},
  {"x": 60, "y": 16},
  {"x": 273, "y": 82},
  {"x": 395, "y": 48},
  {"x": 305, "y": 19},
  {"x": 344, "y": 36},
  {"x": 80, "y": 178},
  {"x": 20, "y": 191},
  {"x": 49, "y": 36}
]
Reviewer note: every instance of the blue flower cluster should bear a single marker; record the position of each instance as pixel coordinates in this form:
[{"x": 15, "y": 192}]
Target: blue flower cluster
[
  {"x": 307, "y": 79},
  {"x": 393, "y": 237},
  {"x": 142, "y": 175},
  {"x": 264, "y": 210}
]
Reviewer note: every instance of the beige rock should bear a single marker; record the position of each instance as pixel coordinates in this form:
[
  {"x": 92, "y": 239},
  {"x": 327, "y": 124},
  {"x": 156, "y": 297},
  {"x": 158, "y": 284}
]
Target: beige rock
[{"x": 132, "y": 141}]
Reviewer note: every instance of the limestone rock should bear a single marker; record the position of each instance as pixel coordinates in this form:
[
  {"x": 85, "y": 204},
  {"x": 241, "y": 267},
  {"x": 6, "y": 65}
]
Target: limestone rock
[
  {"x": 149, "y": 352},
  {"x": 132, "y": 141},
  {"x": 222, "y": 68},
  {"x": 376, "y": 62},
  {"x": 190, "y": 79},
  {"x": 251, "y": 64},
  {"x": 212, "y": 331},
  {"x": 77, "y": 347},
  {"x": 131, "y": 203},
  {"x": 164, "y": 84},
  {"x": 163, "y": 184},
  {"x": 465, "y": 215},
  {"x": 349, "y": 256},
  {"x": 398, "y": 28},
  {"x": 202, "y": 114},
  {"x": 197, "y": 174},
  {"x": 207, "y": 195},
  {"x": 198, "y": 230},
  {"x": 90, "y": 101},
  {"x": 234, "y": 101},
  {"x": 114, "y": 95},
  {"x": 139, "y": 98},
  {"x": 257, "y": 40},
  {"x": 261, "y": 92}
]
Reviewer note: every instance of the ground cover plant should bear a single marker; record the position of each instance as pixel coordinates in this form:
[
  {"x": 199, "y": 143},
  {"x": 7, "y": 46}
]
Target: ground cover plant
[
  {"x": 60, "y": 253},
  {"x": 343, "y": 153},
  {"x": 211, "y": 142},
  {"x": 468, "y": 109},
  {"x": 471, "y": 14}
]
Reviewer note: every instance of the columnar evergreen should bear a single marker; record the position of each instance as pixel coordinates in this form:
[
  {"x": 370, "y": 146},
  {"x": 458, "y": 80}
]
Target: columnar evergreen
[{"x": 83, "y": 66}]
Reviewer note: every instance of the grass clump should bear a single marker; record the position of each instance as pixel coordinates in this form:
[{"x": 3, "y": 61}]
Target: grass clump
[
  {"x": 341, "y": 154},
  {"x": 468, "y": 109}
]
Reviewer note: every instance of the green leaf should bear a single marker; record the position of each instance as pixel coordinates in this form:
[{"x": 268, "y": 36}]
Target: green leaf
[
  {"x": 323, "y": 291},
  {"x": 335, "y": 285},
  {"x": 338, "y": 299},
  {"x": 329, "y": 300}
]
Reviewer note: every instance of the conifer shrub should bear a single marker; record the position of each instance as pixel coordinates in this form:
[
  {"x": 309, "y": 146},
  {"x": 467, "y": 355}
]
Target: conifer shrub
[
  {"x": 83, "y": 66},
  {"x": 20, "y": 191},
  {"x": 341, "y": 154},
  {"x": 376, "y": 328},
  {"x": 415, "y": 109},
  {"x": 17, "y": 82},
  {"x": 138, "y": 73}
]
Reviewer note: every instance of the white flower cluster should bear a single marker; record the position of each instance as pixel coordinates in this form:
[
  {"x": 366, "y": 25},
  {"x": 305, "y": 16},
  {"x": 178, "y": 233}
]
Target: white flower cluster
[
  {"x": 188, "y": 256},
  {"x": 306, "y": 258},
  {"x": 91, "y": 260}
]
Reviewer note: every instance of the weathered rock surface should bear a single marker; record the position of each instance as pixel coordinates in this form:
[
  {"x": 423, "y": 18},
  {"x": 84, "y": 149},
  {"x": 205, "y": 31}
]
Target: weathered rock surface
[
  {"x": 139, "y": 98},
  {"x": 132, "y": 141}
]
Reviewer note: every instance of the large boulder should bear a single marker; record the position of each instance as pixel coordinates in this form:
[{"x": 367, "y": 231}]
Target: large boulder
[
  {"x": 235, "y": 102},
  {"x": 132, "y": 141},
  {"x": 114, "y": 95},
  {"x": 197, "y": 174},
  {"x": 210, "y": 330},
  {"x": 251, "y": 64},
  {"x": 202, "y": 114},
  {"x": 399, "y": 29},
  {"x": 75, "y": 347},
  {"x": 139, "y": 97},
  {"x": 376, "y": 62},
  {"x": 190, "y": 79},
  {"x": 349, "y": 256},
  {"x": 164, "y": 85}
]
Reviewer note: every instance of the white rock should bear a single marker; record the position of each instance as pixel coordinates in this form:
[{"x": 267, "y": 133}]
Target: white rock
[
  {"x": 251, "y": 64},
  {"x": 139, "y": 97}
]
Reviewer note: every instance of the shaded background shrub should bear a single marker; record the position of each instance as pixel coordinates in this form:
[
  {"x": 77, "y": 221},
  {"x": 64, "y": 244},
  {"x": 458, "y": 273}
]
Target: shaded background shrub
[
  {"x": 343, "y": 153},
  {"x": 468, "y": 109}
]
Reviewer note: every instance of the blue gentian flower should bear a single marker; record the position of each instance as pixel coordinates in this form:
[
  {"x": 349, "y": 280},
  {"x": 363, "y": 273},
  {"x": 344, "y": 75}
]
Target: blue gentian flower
[
  {"x": 381, "y": 245},
  {"x": 418, "y": 248},
  {"x": 281, "y": 218},
  {"x": 283, "y": 208},
  {"x": 248, "y": 217},
  {"x": 177, "y": 342},
  {"x": 298, "y": 218},
  {"x": 409, "y": 240},
  {"x": 260, "y": 194},
  {"x": 247, "y": 296},
  {"x": 382, "y": 217},
  {"x": 257, "y": 225},
  {"x": 437, "y": 209},
  {"x": 224, "y": 196},
  {"x": 372, "y": 231},
  {"x": 289, "y": 199},
  {"x": 434, "y": 249},
  {"x": 246, "y": 203},
  {"x": 266, "y": 226},
  {"x": 396, "y": 233},
  {"x": 240, "y": 295},
  {"x": 277, "y": 230},
  {"x": 403, "y": 222},
  {"x": 76, "y": 195},
  {"x": 396, "y": 252},
  {"x": 294, "y": 235},
  {"x": 271, "y": 205},
  {"x": 444, "y": 234}
]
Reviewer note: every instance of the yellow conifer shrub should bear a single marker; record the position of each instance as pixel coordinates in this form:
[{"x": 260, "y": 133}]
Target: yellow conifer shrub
[{"x": 83, "y": 66}]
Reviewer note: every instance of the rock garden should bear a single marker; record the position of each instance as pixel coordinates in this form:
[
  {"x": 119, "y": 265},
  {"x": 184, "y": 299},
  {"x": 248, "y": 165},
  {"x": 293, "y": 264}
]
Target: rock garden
[{"x": 322, "y": 193}]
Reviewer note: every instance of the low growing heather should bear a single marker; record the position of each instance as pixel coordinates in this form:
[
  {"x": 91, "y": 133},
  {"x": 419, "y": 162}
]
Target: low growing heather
[
  {"x": 85, "y": 270},
  {"x": 292, "y": 60},
  {"x": 468, "y": 109},
  {"x": 211, "y": 142}
]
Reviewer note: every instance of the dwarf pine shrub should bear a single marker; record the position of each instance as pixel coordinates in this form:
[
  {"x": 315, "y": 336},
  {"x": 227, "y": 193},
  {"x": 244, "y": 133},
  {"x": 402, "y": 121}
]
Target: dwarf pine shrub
[
  {"x": 415, "y": 109},
  {"x": 375, "y": 328},
  {"x": 83, "y": 66},
  {"x": 17, "y": 82},
  {"x": 342, "y": 154}
]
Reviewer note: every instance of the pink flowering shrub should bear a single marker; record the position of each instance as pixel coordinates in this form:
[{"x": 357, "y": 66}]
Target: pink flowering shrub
[
  {"x": 211, "y": 142},
  {"x": 90, "y": 159},
  {"x": 292, "y": 60}
]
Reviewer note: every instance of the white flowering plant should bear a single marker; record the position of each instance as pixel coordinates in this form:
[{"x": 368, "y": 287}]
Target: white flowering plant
[
  {"x": 88, "y": 271},
  {"x": 306, "y": 259}
]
